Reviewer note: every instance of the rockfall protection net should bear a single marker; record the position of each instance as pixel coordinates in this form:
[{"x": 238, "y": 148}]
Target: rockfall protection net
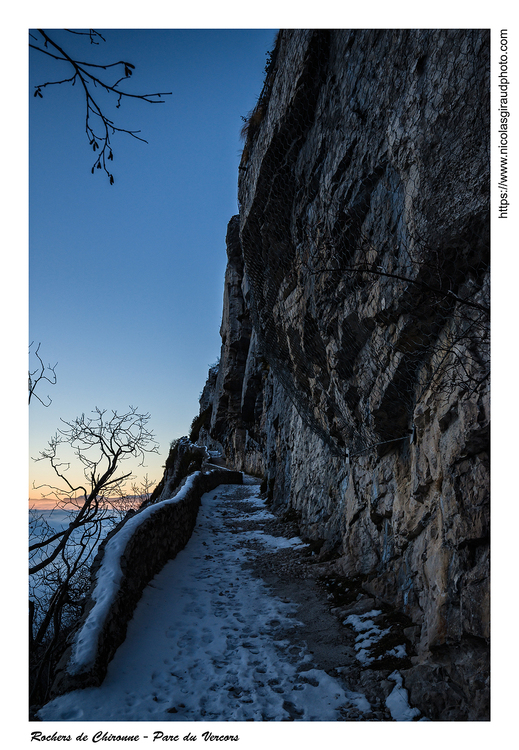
[{"x": 364, "y": 212}]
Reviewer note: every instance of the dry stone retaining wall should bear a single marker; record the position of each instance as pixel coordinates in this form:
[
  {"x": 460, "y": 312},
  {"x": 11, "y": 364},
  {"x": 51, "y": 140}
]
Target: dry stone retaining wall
[{"x": 165, "y": 531}]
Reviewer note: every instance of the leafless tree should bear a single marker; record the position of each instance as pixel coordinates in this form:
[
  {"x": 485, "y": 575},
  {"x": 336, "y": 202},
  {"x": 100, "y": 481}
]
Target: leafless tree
[
  {"x": 42, "y": 372},
  {"x": 58, "y": 557},
  {"x": 91, "y": 76},
  {"x": 140, "y": 493}
]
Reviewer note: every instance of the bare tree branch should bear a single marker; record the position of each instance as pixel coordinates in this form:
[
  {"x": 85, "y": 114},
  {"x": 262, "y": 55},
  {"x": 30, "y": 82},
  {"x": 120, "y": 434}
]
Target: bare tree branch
[
  {"x": 42, "y": 372},
  {"x": 58, "y": 557},
  {"x": 84, "y": 73}
]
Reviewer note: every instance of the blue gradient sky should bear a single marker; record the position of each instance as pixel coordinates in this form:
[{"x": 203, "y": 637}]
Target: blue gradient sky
[{"x": 126, "y": 281}]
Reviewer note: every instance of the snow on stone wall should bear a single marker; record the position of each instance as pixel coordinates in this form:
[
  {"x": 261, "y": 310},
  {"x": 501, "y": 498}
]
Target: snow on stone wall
[{"x": 130, "y": 557}]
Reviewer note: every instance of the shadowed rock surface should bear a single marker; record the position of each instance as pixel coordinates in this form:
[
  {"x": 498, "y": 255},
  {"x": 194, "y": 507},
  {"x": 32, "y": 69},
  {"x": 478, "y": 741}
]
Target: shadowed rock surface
[{"x": 354, "y": 367}]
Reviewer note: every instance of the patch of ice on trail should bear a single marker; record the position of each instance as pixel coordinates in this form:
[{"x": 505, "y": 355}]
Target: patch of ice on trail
[
  {"x": 262, "y": 515},
  {"x": 359, "y": 622},
  {"x": 369, "y": 634},
  {"x": 247, "y": 479},
  {"x": 275, "y": 542},
  {"x": 108, "y": 581},
  {"x": 254, "y": 499},
  {"x": 398, "y": 701},
  {"x": 209, "y": 641}
]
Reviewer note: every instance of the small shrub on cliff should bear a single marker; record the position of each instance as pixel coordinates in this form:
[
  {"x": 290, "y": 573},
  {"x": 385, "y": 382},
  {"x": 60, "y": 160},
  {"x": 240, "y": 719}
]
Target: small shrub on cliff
[
  {"x": 252, "y": 122},
  {"x": 255, "y": 117},
  {"x": 198, "y": 422}
]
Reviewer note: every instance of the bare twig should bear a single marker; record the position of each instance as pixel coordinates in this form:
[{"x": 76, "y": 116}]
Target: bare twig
[
  {"x": 83, "y": 72},
  {"x": 42, "y": 372},
  {"x": 58, "y": 557}
]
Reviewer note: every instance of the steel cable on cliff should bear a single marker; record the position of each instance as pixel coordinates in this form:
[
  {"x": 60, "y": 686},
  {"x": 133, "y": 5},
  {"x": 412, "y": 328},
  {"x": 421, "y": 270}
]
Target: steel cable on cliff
[{"x": 364, "y": 224}]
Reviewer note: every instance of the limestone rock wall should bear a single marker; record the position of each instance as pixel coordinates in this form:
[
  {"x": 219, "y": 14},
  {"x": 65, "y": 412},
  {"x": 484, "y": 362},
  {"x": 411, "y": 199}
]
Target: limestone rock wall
[{"x": 354, "y": 365}]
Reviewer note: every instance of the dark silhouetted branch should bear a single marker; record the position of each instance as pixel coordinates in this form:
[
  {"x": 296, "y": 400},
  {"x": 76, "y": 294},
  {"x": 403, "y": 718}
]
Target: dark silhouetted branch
[{"x": 95, "y": 116}]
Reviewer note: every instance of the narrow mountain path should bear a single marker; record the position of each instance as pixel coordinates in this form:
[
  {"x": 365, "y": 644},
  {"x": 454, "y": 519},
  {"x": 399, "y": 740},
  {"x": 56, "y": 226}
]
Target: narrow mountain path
[{"x": 217, "y": 636}]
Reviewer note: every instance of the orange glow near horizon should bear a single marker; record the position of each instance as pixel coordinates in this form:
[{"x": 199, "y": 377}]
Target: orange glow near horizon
[{"x": 48, "y": 503}]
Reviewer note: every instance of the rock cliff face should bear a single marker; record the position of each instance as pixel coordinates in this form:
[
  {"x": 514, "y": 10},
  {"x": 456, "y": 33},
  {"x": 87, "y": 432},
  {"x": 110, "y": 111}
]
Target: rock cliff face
[{"x": 354, "y": 366}]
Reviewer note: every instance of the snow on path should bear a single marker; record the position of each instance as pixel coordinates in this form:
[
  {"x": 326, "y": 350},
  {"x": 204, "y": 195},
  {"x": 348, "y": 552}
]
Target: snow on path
[{"x": 209, "y": 641}]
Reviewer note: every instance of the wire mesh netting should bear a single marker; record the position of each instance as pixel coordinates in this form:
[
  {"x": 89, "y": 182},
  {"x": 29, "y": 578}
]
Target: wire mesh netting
[{"x": 364, "y": 216}]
